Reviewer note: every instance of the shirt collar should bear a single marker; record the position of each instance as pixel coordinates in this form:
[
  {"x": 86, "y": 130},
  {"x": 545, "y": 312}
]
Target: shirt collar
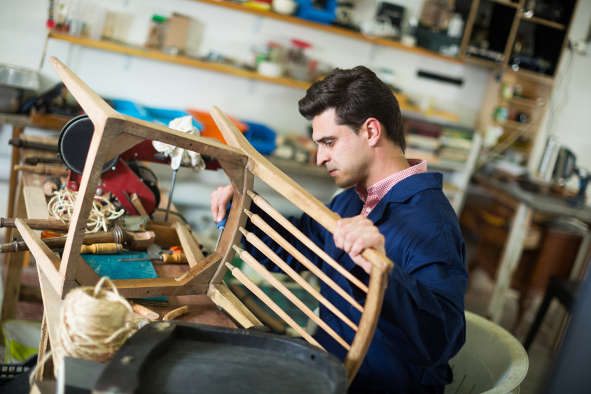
[{"x": 379, "y": 189}]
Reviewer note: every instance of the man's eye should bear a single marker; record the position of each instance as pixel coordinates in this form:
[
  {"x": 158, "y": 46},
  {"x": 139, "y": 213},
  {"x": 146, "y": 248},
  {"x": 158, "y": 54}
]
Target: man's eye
[{"x": 329, "y": 143}]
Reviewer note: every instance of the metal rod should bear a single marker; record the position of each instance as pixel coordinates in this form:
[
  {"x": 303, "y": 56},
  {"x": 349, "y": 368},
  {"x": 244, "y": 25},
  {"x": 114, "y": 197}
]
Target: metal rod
[{"x": 172, "y": 182}]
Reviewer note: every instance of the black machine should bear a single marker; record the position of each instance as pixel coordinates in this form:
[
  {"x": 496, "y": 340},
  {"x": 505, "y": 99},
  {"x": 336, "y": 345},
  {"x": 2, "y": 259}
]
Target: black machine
[
  {"x": 565, "y": 168},
  {"x": 122, "y": 175},
  {"x": 178, "y": 357}
]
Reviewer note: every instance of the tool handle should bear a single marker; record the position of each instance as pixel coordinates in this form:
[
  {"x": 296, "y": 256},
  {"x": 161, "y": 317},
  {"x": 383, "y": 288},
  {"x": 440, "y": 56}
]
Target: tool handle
[
  {"x": 145, "y": 312},
  {"x": 180, "y": 258},
  {"x": 222, "y": 223},
  {"x": 103, "y": 248},
  {"x": 41, "y": 169},
  {"x": 176, "y": 313}
]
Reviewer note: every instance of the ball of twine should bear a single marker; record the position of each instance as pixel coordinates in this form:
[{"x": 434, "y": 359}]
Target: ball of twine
[{"x": 95, "y": 322}]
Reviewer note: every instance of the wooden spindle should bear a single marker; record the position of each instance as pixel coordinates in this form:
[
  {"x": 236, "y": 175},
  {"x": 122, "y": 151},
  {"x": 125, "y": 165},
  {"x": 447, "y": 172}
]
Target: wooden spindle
[
  {"x": 260, "y": 223},
  {"x": 289, "y": 226},
  {"x": 260, "y": 245},
  {"x": 262, "y": 271},
  {"x": 236, "y": 273}
]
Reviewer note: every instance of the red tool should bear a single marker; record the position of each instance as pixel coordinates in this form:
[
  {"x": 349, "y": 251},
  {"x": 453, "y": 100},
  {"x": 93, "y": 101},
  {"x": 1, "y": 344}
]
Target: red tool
[{"x": 123, "y": 175}]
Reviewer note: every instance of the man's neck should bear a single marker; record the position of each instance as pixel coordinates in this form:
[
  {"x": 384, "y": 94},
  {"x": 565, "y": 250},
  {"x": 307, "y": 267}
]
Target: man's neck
[{"x": 388, "y": 160}]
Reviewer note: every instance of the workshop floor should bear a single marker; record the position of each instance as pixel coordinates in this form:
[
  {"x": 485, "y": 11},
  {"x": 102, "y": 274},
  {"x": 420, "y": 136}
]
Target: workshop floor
[
  {"x": 477, "y": 297},
  {"x": 541, "y": 351}
]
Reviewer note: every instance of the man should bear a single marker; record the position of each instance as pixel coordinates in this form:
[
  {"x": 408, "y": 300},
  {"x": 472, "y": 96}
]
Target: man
[{"x": 393, "y": 205}]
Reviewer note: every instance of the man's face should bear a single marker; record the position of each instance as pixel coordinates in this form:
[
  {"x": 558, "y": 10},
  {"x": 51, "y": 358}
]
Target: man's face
[{"x": 343, "y": 152}]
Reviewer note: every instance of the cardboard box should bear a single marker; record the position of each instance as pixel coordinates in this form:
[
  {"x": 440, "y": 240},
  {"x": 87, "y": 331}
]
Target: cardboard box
[{"x": 177, "y": 32}]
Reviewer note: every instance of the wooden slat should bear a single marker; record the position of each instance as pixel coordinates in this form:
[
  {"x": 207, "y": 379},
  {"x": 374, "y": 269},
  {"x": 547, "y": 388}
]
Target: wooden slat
[
  {"x": 260, "y": 223},
  {"x": 51, "y": 313},
  {"x": 236, "y": 219},
  {"x": 260, "y": 245},
  {"x": 289, "y": 226},
  {"x": 258, "y": 267},
  {"x": 190, "y": 248},
  {"x": 225, "y": 299},
  {"x": 96, "y": 108},
  {"x": 45, "y": 258},
  {"x": 286, "y": 186},
  {"x": 13, "y": 263},
  {"x": 271, "y": 304},
  {"x": 378, "y": 281}
]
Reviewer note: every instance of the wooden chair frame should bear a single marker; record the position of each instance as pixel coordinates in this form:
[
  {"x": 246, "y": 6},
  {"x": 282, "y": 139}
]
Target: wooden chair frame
[{"x": 115, "y": 133}]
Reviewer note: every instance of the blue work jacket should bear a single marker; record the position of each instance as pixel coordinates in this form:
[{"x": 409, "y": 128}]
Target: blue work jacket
[{"x": 421, "y": 324}]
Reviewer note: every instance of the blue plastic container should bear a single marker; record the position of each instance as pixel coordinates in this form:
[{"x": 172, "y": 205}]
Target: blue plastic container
[
  {"x": 326, "y": 15},
  {"x": 262, "y": 137},
  {"x": 151, "y": 114}
]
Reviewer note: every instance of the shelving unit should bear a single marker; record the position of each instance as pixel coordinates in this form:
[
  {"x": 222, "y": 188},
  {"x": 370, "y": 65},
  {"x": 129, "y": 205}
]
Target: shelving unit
[
  {"x": 331, "y": 29},
  {"x": 531, "y": 46},
  {"x": 209, "y": 66},
  {"x": 183, "y": 60},
  {"x": 461, "y": 171},
  {"x": 541, "y": 21}
]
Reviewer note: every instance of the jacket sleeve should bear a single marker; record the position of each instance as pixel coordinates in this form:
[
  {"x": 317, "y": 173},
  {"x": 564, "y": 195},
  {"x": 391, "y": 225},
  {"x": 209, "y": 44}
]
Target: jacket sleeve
[{"x": 424, "y": 299}]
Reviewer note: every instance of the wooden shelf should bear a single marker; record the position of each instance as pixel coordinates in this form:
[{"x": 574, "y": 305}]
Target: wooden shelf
[
  {"x": 525, "y": 128},
  {"x": 531, "y": 75},
  {"x": 523, "y": 102},
  {"x": 481, "y": 62},
  {"x": 331, "y": 29},
  {"x": 545, "y": 22},
  {"x": 507, "y": 3},
  {"x": 183, "y": 60},
  {"x": 294, "y": 167},
  {"x": 216, "y": 67}
]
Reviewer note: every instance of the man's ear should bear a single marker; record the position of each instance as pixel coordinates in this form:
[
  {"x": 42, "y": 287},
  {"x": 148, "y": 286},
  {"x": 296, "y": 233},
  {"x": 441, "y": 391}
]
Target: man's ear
[{"x": 374, "y": 130}]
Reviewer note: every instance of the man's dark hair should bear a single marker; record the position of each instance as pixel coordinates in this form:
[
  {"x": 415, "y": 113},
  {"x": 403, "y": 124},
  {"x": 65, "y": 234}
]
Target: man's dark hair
[{"x": 355, "y": 94}]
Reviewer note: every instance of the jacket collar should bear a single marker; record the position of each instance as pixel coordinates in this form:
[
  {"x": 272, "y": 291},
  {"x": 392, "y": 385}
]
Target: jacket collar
[
  {"x": 399, "y": 193},
  {"x": 404, "y": 190}
]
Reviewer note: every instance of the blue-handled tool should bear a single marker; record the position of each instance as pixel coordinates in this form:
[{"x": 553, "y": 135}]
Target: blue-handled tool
[{"x": 222, "y": 224}]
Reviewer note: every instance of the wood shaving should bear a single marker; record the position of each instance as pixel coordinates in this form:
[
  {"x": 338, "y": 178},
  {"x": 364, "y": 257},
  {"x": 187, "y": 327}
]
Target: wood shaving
[{"x": 61, "y": 206}]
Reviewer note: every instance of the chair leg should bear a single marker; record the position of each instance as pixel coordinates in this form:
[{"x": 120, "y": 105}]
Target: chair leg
[{"x": 539, "y": 317}]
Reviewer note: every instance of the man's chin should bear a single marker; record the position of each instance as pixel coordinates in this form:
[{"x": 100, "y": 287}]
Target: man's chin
[{"x": 343, "y": 183}]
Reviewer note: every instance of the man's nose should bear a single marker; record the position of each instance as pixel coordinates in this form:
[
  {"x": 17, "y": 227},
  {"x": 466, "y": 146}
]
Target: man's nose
[{"x": 321, "y": 157}]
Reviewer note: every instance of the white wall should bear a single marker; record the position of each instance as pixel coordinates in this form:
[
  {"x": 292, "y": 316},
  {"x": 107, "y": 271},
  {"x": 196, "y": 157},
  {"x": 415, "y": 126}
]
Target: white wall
[
  {"x": 569, "y": 116},
  {"x": 228, "y": 32}
]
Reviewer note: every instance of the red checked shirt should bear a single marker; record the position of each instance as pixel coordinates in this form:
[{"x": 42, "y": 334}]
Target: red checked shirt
[{"x": 372, "y": 196}]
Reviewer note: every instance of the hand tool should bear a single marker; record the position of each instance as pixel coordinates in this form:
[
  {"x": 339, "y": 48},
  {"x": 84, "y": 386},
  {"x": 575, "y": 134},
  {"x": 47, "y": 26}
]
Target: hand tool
[
  {"x": 102, "y": 248},
  {"x": 41, "y": 169},
  {"x": 37, "y": 224},
  {"x": 131, "y": 241},
  {"x": 176, "y": 313},
  {"x": 222, "y": 224},
  {"x": 155, "y": 252},
  {"x": 25, "y": 144},
  {"x": 121, "y": 175},
  {"x": 44, "y": 160},
  {"x": 172, "y": 182},
  {"x": 145, "y": 311}
]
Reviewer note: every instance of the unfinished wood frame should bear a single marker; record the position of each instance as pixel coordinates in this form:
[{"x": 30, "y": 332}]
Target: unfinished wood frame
[{"x": 114, "y": 133}]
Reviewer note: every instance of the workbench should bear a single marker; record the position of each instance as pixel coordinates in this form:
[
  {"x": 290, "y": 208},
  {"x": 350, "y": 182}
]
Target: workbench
[
  {"x": 528, "y": 203},
  {"x": 29, "y": 201}
]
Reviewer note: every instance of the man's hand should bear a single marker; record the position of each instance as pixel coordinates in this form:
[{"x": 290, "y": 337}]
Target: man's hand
[
  {"x": 354, "y": 235},
  {"x": 219, "y": 200}
]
